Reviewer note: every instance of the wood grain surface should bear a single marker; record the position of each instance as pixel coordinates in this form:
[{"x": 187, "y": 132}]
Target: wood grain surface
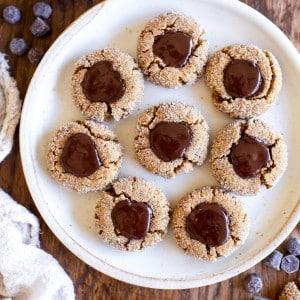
[{"x": 90, "y": 284}]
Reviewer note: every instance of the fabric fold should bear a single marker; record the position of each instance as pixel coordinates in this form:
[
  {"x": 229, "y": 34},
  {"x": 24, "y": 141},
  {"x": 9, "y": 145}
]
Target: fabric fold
[{"x": 26, "y": 271}]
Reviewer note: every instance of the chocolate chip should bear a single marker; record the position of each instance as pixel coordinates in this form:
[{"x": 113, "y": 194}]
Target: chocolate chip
[
  {"x": 80, "y": 156},
  {"x": 11, "y": 14},
  {"x": 39, "y": 27},
  {"x": 290, "y": 264},
  {"x": 274, "y": 260},
  {"x": 18, "y": 46},
  {"x": 102, "y": 83},
  {"x": 131, "y": 219},
  {"x": 253, "y": 283},
  {"x": 174, "y": 48},
  {"x": 208, "y": 223},
  {"x": 169, "y": 140},
  {"x": 242, "y": 78},
  {"x": 293, "y": 246},
  {"x": 249, "y": 156},
  {"x": 35, "y": 55},
  {"x": 42, "y": 9}
]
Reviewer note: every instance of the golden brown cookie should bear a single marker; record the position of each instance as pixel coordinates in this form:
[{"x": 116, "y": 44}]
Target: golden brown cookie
[
  {"x": 209, "y": 223},
  {"x": 171, "y": 50},
  {"x": 132, "y": 214},
  {"x": 171, "y": 138},
  {"x": 245, "y": 80},
  {"x": 107, "y": 84},
  {"x": 247, "y": 155},
  {"x": 84, "y": 156}
]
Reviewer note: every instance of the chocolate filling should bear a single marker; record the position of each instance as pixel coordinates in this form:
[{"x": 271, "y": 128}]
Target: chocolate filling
[
  {"x": 169, "y": 140},
  {"x": 174, "y": 48},
  {"x": 80, "y": 156},
  {"x": 208, "y": 223},
  {"x": 102, "y": 83},
  {"x": 249, "y": 156},
  {"x": 132, "y": 219},
  {"x": 242, "y": 79}
]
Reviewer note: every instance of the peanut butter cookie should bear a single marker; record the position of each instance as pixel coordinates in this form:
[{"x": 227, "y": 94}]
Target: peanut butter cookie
[
  {"x": 171, "y": 138},
  {"x": 107, "y": 84},
  {"x": 84, "y": 156},
  {"x": 245, "y": 80},
  {"x": 132, "y": 214},
  {"x": 172, "y": 51}
]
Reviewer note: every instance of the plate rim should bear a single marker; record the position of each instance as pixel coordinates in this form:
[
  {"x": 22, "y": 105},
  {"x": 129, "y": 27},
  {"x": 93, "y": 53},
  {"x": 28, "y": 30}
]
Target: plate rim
[{"x": 82, "y": 253}]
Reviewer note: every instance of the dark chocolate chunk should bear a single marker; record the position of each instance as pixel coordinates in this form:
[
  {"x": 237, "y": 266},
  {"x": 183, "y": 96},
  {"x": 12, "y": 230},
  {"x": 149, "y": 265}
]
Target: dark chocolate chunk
[
  {"x": 242, "y": 78},
  {"x": 131, "y": 219},
  {"x": 35, "y": 55},
  {"x": 80, "y": 156},
  {"x": 42, "y": 9},
  {"x": 18, "y": 46},
  {"x": 274, "y": 260},
  {"x": 102, "y": 83},
  {"x": 290, "y": 264},
  {"x": 208, "y": 223},
  {"x": 169, "y": 140},
  {"x": 249, "y": 156},
  {"x": 253, "y": 283},
  {"x": 174, "y": 48},
  {"x": 39, "y": 27},
  {"x": 293, "y": 246},
  {"x": 11, "y": 14}
]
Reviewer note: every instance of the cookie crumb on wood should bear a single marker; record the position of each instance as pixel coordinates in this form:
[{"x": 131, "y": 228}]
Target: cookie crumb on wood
[{"x": 290, "y": 292}]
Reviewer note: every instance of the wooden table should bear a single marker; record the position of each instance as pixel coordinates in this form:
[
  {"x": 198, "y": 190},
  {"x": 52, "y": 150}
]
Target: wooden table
[{"x": 90, "y": 284}]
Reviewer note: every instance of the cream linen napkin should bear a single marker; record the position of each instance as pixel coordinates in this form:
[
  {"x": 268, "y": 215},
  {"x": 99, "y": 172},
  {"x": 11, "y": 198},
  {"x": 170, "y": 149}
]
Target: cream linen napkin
[
  {"x": 10, "y": 108},
  {"x": 26, "y": 272}
]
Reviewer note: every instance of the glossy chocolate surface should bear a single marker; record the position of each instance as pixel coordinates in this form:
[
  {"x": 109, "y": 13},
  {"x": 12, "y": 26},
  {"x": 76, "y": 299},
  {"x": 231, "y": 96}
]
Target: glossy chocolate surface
[
  {"x": 208, "y": 223},
  {"x": 174, "y": 48},
  {"x": 80, "y": 156},
  {"x": 249, "y": 156},
  {"x": 169, "y": 140},
  {"x": 102, "y": 83},
  {"x": 132, "y": 219},
  {"x": 242, "y": 78}
]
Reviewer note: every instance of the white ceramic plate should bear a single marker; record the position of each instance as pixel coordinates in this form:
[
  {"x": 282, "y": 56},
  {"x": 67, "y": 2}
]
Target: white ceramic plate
[{"x": 48, "y": 105}]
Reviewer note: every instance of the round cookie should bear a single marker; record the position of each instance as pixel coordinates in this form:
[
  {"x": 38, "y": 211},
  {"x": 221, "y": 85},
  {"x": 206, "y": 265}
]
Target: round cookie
[
  {"x": 209, "y": 223},
  {"x": 245, "y": 80},
  {"x": 107, "y": 84},
  {"x": 84, "y": 156},
  {"x": 171, "y": 50},
  {"x": 246, "y": 155},
  {"x": 171, "y": 138},
  {"x": 132, "y": 214}
]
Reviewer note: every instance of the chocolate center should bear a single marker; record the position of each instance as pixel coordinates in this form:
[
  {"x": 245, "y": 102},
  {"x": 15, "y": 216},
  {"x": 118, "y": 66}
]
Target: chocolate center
[
  {"x": 242, "y": 78},
  {"x": 132, "y": 219},
  {"x": 102, "y": 83},
  {"x": 208, "y": 223},
  {"x": 174, "y": 48},
  {"x": 79, "y": 156},
  {"x": 169, "y": 140},
  {"x": 249, "y": 156}
]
